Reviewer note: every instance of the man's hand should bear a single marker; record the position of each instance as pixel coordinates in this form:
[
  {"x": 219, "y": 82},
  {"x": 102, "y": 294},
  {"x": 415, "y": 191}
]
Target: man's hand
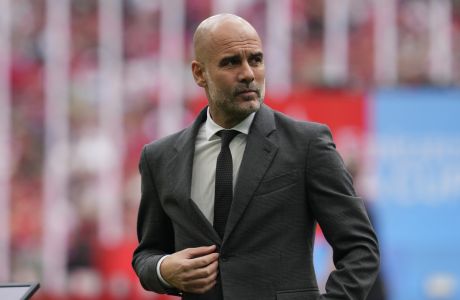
[{"x": 192, "y": 270}]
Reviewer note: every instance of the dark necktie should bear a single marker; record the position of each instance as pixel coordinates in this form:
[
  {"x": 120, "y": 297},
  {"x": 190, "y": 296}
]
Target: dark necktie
[{"x": 224, "y": 182}]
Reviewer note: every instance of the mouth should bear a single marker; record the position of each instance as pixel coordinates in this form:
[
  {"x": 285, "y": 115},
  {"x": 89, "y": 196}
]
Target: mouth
[{"x": 247, "y": 92}]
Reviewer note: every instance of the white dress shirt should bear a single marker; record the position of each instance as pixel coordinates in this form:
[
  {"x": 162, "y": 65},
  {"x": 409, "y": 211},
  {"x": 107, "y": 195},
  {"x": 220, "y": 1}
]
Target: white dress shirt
[{"x": 207, "y": 148}]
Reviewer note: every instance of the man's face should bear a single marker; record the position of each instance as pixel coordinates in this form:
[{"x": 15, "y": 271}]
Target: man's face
[{"x": 234, "y": 73}]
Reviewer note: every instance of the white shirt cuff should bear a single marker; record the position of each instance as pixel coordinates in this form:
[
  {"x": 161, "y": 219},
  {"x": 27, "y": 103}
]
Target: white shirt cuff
[{"x": 163, "y": 281}]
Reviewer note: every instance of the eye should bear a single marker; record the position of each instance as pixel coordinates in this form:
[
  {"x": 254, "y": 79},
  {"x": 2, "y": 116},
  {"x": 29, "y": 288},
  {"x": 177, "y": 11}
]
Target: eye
[
  {"x": 256, "y": 60},
  {"x": 230, "y": 61}
]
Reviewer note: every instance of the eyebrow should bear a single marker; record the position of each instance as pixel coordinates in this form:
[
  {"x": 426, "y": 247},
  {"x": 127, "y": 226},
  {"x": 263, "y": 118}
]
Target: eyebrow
[
  {"x": 257, "y": 54},
  {"x": 230, "y": 57}
]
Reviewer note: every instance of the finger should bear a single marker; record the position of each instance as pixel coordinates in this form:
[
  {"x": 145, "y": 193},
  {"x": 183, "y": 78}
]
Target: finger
[
  {"x": 200, "y": 282},
  {"x": 204, "y": 261},
  {"x": 210, "y": 271},
  {"x": 176, "y": 263},
  {"x": 200, "y": 251},
  {"x": 205, "y": 288},
  {"x": 200, "y": 286}
]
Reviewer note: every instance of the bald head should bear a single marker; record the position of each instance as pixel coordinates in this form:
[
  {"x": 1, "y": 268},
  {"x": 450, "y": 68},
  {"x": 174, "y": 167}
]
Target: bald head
[
  {"x": 217, "y": 28},
  {"x": 229, "y": 65}
]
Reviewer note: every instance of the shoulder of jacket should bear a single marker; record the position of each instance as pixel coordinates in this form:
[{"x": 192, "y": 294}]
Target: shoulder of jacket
[
  {"x": 163, "y": 143},
  {"x": 284, "y": 120}
]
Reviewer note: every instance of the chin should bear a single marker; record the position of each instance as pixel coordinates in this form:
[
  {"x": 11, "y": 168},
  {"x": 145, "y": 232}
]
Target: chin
[
  {"x": 250, "y": 106},
  {"x": 245, "y": 109}
]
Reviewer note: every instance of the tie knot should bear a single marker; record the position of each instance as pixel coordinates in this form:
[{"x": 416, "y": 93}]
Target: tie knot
[{"x": 227, "y": 136}]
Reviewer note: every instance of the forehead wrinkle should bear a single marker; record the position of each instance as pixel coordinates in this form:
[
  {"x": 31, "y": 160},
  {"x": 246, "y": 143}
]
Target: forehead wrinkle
[
  {"x": 250, "y": 42},
  {"x": 238, "y": 46},
  {"x": 231, "y": 45}
]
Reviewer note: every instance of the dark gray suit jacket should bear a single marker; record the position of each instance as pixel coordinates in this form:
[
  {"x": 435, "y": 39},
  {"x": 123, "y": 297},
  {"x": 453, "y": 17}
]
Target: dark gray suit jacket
[{"x": 290, "y": 178}]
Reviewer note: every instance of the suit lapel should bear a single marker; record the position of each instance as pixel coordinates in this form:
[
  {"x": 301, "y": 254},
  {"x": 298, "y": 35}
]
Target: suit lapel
[
  {"x": 258, "y": 155},
  {"x": 180, "y": 176}
]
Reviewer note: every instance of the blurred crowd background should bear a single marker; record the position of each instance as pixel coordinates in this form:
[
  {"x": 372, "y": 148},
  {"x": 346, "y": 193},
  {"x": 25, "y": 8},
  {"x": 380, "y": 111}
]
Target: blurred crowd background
[{"x": 84, "y": 84}]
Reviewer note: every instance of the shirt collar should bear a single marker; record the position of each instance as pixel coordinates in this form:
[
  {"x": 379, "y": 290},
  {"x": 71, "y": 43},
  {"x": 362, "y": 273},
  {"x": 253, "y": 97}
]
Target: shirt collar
[{"x": 212, "y": 127}]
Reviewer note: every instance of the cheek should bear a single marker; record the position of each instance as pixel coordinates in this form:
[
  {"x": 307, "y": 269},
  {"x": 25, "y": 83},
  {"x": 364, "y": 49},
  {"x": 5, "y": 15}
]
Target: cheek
[
  {"x": 224, "y": 83},
  {"x": 259, "y": 75},
  {"x": 221, "y": 81}
]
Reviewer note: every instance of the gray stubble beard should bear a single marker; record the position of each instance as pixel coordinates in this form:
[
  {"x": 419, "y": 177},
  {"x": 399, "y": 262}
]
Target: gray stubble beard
[{"x": 226, "y": 104}]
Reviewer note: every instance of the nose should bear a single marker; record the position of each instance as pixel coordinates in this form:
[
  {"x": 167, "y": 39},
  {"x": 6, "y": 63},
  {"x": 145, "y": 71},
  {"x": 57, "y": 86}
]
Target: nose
[{"x": 246, "y": 73}]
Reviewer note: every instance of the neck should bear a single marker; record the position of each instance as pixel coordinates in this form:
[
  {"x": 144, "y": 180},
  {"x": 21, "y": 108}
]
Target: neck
[{"x": 226, "y": 121}]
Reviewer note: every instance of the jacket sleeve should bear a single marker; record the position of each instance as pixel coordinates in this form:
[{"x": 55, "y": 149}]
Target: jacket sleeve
[
  {"x": 154, "y": 231},
  {"x": 343, "y": 220}
]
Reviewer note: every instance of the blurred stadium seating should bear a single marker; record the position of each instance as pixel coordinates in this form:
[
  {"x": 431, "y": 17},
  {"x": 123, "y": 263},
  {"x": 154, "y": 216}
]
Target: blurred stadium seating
[{"x": 375, "y": 72}]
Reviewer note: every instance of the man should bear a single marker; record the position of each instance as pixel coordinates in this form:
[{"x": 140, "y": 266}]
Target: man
[{"x": 255, "y": 239}]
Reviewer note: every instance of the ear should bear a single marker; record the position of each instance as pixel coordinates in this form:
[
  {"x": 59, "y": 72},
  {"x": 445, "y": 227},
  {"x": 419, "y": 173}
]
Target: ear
[{"x": 198, "y": 73}]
